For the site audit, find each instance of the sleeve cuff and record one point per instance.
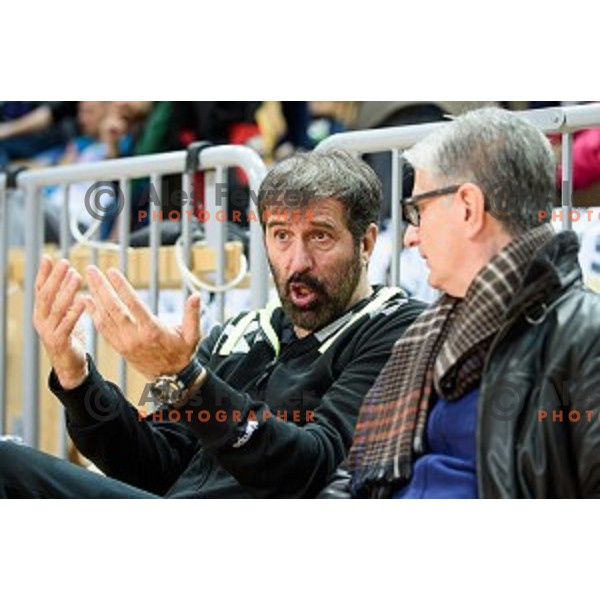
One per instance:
(91, 402)
(219, 414)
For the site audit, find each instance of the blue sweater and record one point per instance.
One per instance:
(447, 470)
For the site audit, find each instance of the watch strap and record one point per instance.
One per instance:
(188, 375)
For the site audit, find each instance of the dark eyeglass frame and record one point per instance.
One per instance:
(410, 211)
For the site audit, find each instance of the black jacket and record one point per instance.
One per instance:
(534, 438)
(254, 363)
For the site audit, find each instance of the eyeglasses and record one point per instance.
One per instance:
(410, 211)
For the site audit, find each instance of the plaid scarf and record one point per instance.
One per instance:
(443, 353)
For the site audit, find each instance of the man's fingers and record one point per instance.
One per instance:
(106, 298)
(56, 276)
(96, 314)
(115, 334)
(129, 296)
(110, 315)
(64, 299)
(191, 320)
(44, 271)
(72, 315)
(49, 289)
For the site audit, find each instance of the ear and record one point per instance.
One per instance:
(473, 205)
(368, 241)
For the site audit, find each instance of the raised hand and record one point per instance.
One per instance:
(56, 312)
(149, 345)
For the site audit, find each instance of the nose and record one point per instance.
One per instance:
(411, 236)
(300, 258)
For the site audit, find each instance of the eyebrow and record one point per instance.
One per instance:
(324, 224)
(284, 222)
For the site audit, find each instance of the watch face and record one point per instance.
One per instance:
(166, 390)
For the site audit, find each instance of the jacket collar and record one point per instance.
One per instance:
(554, 268)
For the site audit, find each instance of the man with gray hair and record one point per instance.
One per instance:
(494, 391)
(265, 405)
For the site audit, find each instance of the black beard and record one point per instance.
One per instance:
(328, 305)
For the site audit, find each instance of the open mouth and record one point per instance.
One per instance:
(302, 295)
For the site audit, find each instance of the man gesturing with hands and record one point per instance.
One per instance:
(146, 343)
(264, 405)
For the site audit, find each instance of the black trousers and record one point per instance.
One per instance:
(28, 473)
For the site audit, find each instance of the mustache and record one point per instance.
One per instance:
(306, 280)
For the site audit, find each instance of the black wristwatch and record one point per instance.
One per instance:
(169, 390)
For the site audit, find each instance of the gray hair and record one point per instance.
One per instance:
(324, 174)
(505, 155)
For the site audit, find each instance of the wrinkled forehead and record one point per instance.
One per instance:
(328, 211)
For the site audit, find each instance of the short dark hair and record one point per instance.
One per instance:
(322, 174)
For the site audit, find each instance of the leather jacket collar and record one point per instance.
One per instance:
(554, 268)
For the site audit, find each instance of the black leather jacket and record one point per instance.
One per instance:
(538, 432)
(535, 438)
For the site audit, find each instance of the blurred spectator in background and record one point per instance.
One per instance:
(30, 128)
(585, 217)
(586, 153)
(586, 159)
(297, 118)
(85, 148)
(329, 118)
(136, 128)
(287, 127)
(90, 116)
(219, 123)
(215, 122)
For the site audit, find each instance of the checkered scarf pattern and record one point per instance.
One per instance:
(442, 353)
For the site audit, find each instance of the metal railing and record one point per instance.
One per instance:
(213, 160)
(3, 299)
(564, 121)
